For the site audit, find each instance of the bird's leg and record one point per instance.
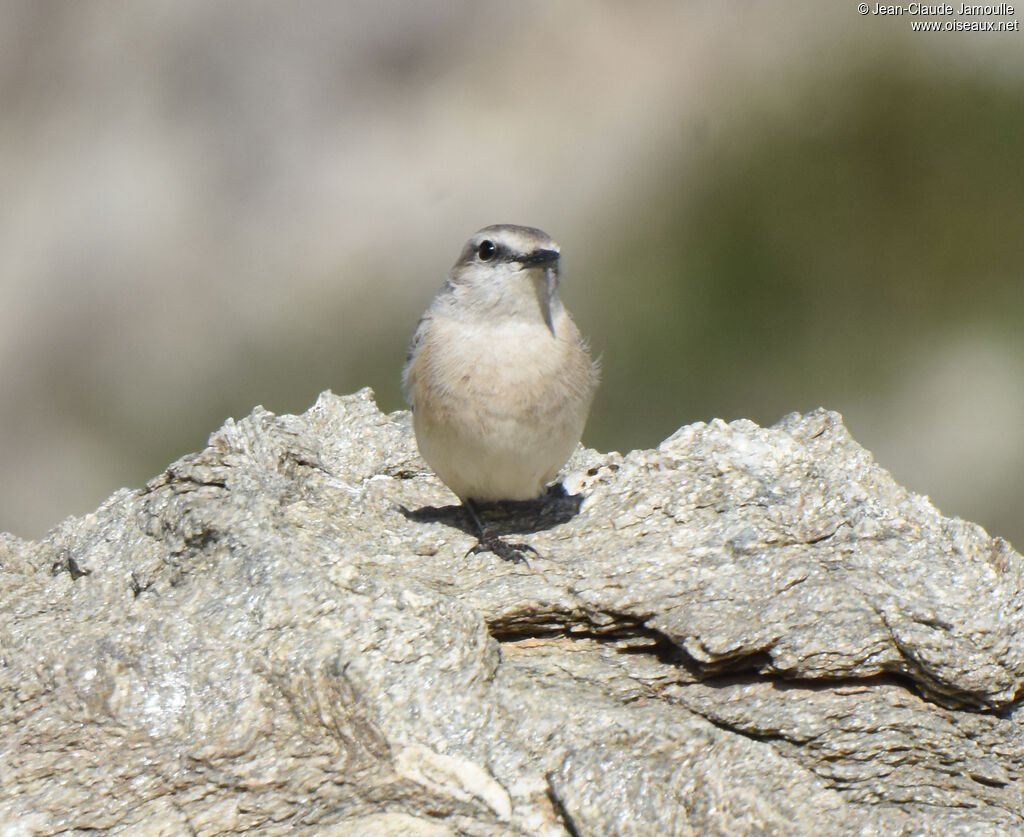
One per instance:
(489, 542)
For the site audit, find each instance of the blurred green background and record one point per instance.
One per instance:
(763, 207)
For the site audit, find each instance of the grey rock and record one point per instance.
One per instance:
(743, 631)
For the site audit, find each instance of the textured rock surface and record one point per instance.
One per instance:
(745, 630)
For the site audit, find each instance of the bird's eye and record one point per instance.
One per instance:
(487, 250)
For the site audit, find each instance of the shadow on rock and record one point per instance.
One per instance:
(506, 517)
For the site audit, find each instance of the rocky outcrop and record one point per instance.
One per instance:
(743, 631)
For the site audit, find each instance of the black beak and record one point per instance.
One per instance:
(539, 258)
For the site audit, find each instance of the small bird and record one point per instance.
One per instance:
(498, 377)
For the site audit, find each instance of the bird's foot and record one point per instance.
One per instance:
(487, 541)
(514, 552)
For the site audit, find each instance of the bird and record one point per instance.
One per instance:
(498, 377)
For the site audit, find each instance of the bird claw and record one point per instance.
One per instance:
(513, 552)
